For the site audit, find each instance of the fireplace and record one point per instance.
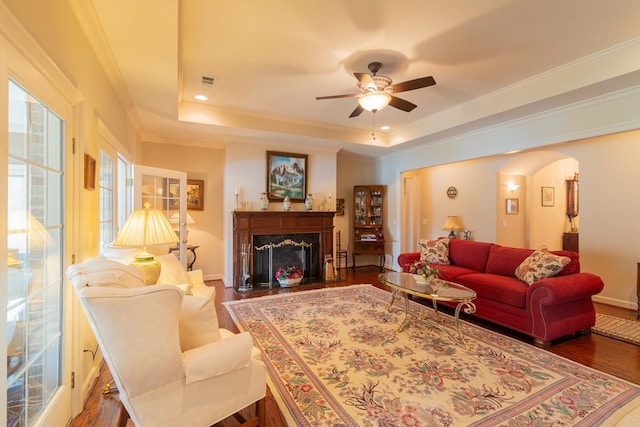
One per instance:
(280, 239)
(274, 251)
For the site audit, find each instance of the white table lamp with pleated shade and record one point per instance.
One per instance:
(146, 227)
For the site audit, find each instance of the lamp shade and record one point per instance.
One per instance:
(175, 218)
(453, 224)
(374, 101)
(146, 227)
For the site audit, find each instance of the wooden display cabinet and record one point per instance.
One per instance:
(368, 221)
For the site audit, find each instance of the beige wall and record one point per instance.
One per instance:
(609, 207)
(205, 164)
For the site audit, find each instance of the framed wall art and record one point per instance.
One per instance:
(195, 194)
(513, 206)
(89, 172)
(339, 206)
(548, 196)
(287, 176)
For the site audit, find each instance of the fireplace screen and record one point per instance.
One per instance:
(271, 252)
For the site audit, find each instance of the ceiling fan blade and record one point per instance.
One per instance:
(350, 95)
(413, 84)
(366, 80)
(357, 111)
(401, 104)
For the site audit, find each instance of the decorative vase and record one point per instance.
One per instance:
(308, 202)
(289, 282)
(286, 203)
(264, 202)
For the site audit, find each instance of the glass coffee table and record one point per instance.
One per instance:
(435, 290)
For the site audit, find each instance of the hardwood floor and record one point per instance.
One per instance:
(601, 353)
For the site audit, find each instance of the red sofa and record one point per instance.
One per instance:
(548, 309)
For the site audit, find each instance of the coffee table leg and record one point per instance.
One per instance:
(469, 308)
(394, 295)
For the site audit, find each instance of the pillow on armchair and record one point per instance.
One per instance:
(198, 322)
(172, 272)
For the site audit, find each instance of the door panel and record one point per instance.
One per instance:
(165, 190)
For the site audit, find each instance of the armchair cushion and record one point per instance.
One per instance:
(218, 358)
(198, 322)
(172, 272)
(105, 272)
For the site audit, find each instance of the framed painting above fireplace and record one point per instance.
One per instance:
(287, 176)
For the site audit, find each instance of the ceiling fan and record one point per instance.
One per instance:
(376, 92)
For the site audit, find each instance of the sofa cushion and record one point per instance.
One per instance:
(198, 322)
(434, 251)
(496, 287)
(504, 260)
(468, 254)
(541, 264)
(451, 272)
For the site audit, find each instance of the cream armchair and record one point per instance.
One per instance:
(171, 363)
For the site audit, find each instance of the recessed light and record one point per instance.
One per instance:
(201, 97)
(385, 127)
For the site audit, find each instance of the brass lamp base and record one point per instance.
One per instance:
(150, 267)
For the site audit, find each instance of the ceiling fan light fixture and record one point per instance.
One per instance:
(374, 101)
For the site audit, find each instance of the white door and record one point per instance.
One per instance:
(165, 190)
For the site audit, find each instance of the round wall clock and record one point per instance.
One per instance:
(452, 192)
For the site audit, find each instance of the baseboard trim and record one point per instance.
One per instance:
(615, 302)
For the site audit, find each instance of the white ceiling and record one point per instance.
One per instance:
(493, 60)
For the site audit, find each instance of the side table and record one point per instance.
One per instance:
(190, 248)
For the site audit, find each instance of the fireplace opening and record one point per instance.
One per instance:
(271, 252)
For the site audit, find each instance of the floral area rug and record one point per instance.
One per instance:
(616, 327)
(334, 358)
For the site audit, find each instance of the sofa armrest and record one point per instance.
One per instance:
(217, 358)
(406, 259)
(562, 289)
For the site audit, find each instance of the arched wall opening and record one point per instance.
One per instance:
(483, 187)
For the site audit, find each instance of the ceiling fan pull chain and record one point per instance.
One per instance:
(373, 126)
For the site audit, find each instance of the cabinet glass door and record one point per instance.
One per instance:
(360, 207)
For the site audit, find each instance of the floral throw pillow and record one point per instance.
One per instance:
(435, 251)
(540, 265)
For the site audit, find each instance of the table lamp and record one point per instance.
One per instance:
(454, 224)
(146, 227)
